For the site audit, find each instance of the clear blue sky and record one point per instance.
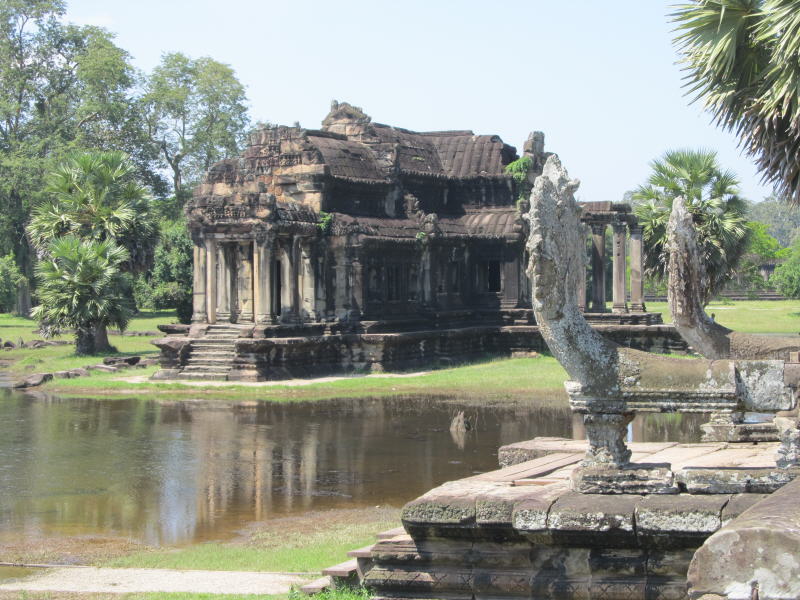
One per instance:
(599, 78)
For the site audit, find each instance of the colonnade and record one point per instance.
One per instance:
(597, 296)
(263, 279)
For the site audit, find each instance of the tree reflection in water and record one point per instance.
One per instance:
(189, 471)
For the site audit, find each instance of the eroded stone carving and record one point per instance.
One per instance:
(687, 293)
(608, 382)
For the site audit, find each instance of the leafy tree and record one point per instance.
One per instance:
(196, 114)
(10, 279)
(711, 196)
(169, 283)
(82, 286)
(742, 59)
(62, 88)
(782, 221)
(761, 249)
(786, 277)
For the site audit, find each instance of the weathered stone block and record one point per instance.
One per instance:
(588, 520)
(755, 554)
(678, 521)
(757, 480)
(634, 478)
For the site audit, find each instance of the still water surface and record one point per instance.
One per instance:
(175, 473)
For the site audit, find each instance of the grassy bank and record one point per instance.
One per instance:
(748, 316)
(305, 543)
(490, 379)
(23, 361)
(498, 378)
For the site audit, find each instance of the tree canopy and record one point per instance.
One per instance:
(711, 196)
(196, 114)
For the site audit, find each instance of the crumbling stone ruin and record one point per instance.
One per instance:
(362, 246)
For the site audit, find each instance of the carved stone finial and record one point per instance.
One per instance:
(687, 294)
(557, 257)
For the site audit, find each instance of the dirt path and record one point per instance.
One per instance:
(123, 581)
(282, 382)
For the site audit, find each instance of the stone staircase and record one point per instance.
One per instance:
(211, 356)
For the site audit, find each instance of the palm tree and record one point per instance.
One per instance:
(742, 59)
(719, 214)
(82, 286)
(94, 196)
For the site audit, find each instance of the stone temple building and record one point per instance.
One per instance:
(365, 246)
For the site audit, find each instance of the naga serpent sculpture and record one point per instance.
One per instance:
(609, 383)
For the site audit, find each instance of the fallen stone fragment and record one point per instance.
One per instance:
(33, 380)
(118, 360)
(79, 372)
(103, 368)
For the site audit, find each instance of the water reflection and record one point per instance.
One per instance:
(169, 473)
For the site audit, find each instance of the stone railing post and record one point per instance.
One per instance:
(637, 268)
(598, 267)
(619, 268)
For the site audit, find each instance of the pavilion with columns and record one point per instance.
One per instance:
(360, 228)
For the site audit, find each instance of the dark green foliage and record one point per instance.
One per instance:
(782, 221)
(519, 171)
(786, 278)
(711, 196)
(10, 280)
(169, 283)
(325, 222)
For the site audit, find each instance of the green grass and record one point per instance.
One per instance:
(22, 361)
(496, 378)
(748, 316)
(307, 549)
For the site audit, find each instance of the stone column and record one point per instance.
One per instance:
(211, 279)
(637, 269)
(244, 280)
(598, 267)
(307, 289)
(296, 274)
(286, 282)
(223, 283)
(199, 282)
(581, 291)
(620, 267)
(262, 278)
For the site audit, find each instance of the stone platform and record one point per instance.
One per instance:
(272, 352)
(521, 532)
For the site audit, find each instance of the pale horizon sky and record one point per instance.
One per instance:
(599, 78)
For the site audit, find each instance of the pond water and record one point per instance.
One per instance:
(190, 471)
